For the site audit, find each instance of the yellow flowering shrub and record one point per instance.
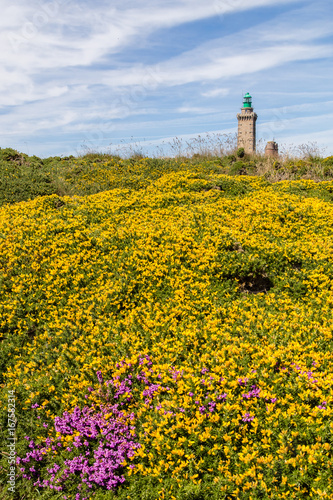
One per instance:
(212, 295)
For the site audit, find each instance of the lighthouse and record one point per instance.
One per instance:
(247, 126)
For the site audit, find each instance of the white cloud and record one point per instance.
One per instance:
(61, 38)
(195, 110)
(216, 92)
(192, 67)
(55, 55)
(60, 34)
(288, 38)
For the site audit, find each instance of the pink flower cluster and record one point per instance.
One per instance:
(95, 456)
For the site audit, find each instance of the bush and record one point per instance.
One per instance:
(240, 153)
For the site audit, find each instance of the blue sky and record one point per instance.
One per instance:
(95, 74)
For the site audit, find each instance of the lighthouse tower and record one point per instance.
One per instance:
(247, 126)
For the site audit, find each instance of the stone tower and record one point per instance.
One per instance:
(272, 150)
(247, 126)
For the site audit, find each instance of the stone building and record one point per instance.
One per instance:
(247, 126)
(272, 150)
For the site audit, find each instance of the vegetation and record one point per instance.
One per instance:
(23, 177)
(166, 327)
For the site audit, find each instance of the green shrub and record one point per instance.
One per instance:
(240, 153)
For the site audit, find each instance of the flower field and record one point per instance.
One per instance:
(170, 338)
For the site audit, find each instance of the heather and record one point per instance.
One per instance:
(166, 328)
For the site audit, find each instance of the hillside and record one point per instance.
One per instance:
(166, 327)
(23, 177)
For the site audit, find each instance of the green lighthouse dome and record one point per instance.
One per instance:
(247, 103)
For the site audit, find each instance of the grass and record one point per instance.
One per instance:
(166, 327)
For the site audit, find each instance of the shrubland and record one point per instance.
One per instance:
(24, 177)
(166, 326)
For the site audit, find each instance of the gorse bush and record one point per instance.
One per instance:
(166, 331)
(23, 177)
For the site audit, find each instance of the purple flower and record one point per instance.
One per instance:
(211, 405)
(145, 358)
(254, 393)
(247, 418)
(151, 390)
(99, 377)
(243, 381)
(106, 444)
